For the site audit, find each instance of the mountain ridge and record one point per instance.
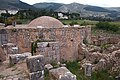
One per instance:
(14, 5)
(45, 5)
(83, 10)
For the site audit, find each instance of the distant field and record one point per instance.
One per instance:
(94, 30)
(87, 22)
(116, 23)
(79, 22)
(23, 21)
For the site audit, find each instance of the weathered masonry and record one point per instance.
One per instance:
(63, 40)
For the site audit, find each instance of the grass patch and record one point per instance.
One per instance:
(23, 21)
(80, 22)
(74, 67)
(10, 65)
(46, 76)
(1, 76)
(105, 46)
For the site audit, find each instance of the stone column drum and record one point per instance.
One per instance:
(35, 66)
(88, 69)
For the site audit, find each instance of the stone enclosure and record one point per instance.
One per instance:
(63, 40)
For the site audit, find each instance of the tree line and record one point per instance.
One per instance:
(107, 26)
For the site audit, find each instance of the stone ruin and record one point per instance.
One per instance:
(2, 55)
(88, 69)
(35, 66)
(61, 73)
(100, 40)
(50, 50)
(57, 43)
(15, 58)
(3, 37)
(47, 29)
(48, 66)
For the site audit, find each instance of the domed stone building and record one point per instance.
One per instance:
(55, 41)
(46, 22)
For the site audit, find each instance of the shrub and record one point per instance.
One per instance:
(107, 26)
(73, 23)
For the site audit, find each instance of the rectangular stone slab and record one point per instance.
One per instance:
(35, 63)
(37, 75)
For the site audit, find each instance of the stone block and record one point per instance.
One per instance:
(101, 65)
(94, 57)
(35, 63)
(67, 77)
(15, 50)
(61, 73)
(117, 53)
(88, 69)
(15, 58)
(48, 66)
(39, 75)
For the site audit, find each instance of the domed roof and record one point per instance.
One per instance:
(46, 21)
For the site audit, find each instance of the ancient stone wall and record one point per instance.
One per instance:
(50, 50)
(68, 38)
(3, 36)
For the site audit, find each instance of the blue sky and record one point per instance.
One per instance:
(102, 3)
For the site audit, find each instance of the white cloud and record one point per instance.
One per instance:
(103, 3)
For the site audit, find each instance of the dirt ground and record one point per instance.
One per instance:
(13, 72)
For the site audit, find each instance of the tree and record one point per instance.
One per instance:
(107, 26)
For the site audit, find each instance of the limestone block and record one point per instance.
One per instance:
(12, 49)
(67, 76)
(15, 50)
(39, 75)
(61, 73)
(35, 63)
(50, 50)
(101, 64)
(82, 51)
(117, 53)
(15, 58)
(88, 69)
(94, 57)
(95, 49)
(63, 65)
(48, 66)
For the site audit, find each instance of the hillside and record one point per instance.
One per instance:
(48, 6)
(84, 10)
(14, 4)
(114, 8)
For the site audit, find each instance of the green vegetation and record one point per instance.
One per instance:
(105, 46)
(111, 27)
(25, 16)
(34, 45)
(108, 27)
(80, 22)
(1, 76)
(74, 67)
(73, 23)
(46, 76)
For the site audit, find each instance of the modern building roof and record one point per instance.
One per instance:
(46, 22)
